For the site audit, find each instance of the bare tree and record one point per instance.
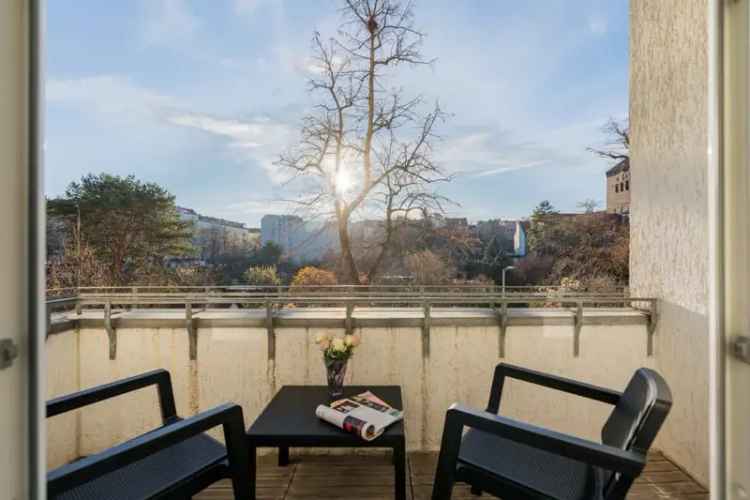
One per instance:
(589, 205)
(366, 147)
(617, 146)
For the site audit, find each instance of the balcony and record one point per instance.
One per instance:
(440, 345)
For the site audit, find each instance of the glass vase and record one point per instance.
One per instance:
(336, 370)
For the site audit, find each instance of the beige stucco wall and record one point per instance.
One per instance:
(669, 225)
(232, 365)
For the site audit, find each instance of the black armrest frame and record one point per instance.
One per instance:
(228, 415)
(608, 457)
(86, 397)
(504, 370)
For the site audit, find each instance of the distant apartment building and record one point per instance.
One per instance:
(215, 237)
(618, 188)
(301, 241)
(519, 239)
(510, 234)
(455, 222)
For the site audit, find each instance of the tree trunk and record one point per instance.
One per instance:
(350, 267)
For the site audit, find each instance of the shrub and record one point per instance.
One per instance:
(429, 268)
(262, 276)
(310, 276)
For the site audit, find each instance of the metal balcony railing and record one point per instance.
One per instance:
(272, 299)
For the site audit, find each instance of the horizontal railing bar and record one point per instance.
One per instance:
(323, 288)
(364, 300)
(456, 285)
(463, 295)
(308, 294)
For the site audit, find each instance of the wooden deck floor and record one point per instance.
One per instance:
(371, 477)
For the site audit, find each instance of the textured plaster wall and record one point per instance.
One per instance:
(62, 378)
(232, 365)
(669, 226)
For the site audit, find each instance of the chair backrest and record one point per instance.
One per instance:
(637, 417)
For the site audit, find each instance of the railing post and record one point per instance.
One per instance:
(270, 331)
(110, 330)
(426, 325)
(577, 325)
(503, 320)
(48, 315)
(348, 325)
(191, 331)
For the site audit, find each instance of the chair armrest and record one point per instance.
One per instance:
(229, 415)
(160, 378)
(600, 455)
(589, 391)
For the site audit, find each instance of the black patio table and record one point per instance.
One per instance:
(289, 420)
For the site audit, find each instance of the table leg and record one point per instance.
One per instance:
(253, 470)
(283, 456)
(399, 465)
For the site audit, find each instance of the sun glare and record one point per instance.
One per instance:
(344, 180)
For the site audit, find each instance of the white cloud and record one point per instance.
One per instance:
(509, 168)
(168, 22)
(484, 153)
(260, 139)
(119, 100)
(110, 95)
(598, 25)
(259, 207)
(246, 6)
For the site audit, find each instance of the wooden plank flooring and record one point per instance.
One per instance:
(370, 477)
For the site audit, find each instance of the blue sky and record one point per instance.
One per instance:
(201, 96)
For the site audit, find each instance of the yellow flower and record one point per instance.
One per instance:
(324, 344)
(322, 338)
(352, 340)
(338, 344)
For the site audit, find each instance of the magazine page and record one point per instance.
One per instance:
(341, 417)
(365, 415)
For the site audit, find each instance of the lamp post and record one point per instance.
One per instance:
(505, 270)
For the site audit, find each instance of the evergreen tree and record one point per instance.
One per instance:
(129, 225)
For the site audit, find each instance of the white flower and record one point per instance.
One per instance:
(352, 340)
(322, 338)
(338, 344)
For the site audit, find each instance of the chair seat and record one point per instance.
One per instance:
(526, 469)
(155, 474)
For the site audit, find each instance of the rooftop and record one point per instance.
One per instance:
(621, 166)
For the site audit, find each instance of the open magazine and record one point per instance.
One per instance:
(365, 415)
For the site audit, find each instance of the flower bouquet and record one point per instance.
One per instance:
(336, 354)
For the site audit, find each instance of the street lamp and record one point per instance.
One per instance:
(506, 269)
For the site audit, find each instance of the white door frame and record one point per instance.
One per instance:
(715, 180)
(36, 321)
(729, 226)
(37, 254)
(22, 249)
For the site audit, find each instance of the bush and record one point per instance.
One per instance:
(262, 276)
(310, 276)
(429, 268)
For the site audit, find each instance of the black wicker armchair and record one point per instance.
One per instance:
(174, 461)
(515, 460)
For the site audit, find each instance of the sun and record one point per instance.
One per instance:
(344, 180)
